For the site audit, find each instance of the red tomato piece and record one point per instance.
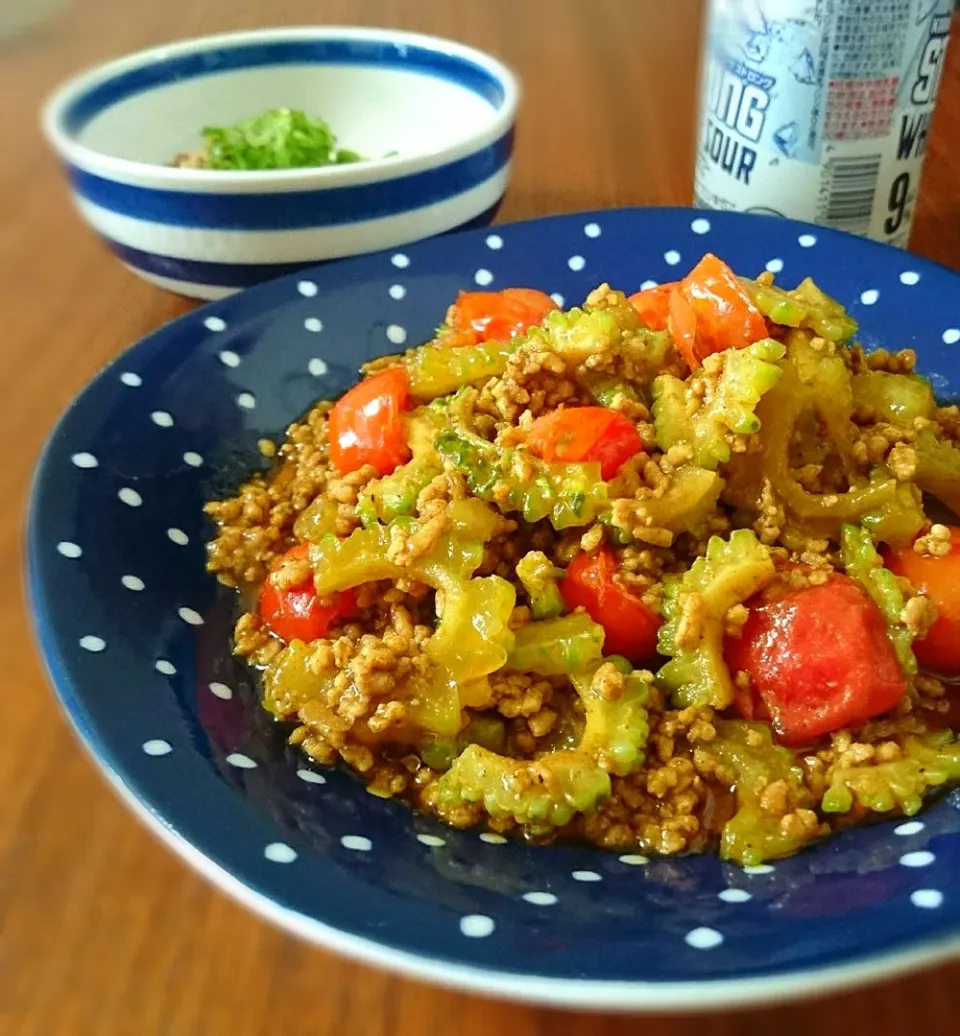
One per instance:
(724, 315)
(584, 434)
(496, 316)
(683, 328)
(938, 579)
(295, 612)
(653, 305)
(366, 424)
(818, 658)
(630, 627)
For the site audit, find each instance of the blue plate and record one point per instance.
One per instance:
(136, 639)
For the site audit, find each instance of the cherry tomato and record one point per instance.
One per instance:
(295, 613)
(721, 314)
(683, 328)
(938, 579)
(653, 305)
(585, 433)
(366, 424)
(496, 316)
(818, 658)
(630, 627)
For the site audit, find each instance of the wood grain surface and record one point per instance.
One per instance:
(102, 931)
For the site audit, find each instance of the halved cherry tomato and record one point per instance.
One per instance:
(719, 313)
(653, 305)
(366, 424)
(683, 328)
(630, 627)
(496, 316)
(585, 433)
(938, 579)
(818, 658)
(295, 613)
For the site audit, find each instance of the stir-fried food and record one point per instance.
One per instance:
(667, 572)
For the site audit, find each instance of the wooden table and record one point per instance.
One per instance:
(101, 930)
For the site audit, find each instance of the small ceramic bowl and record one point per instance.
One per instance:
(435, 117)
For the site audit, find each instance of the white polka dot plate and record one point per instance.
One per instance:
(135, 636)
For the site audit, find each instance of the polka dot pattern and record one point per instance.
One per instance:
(774, 265)
(313, 324)
(396, 334)
(540, 898)
(84, 460)
(215, 324)
(927, 899)
(671, 257)
(633, 860)
(190, 617)
(241, 761)
(950, 337)
(483, 277)
(703, 938)
(358, 843)
(648, 285)
(178, 536)
(735, 896)
(586, 876)
(494, 241)
(133, 583)
(131, 380)
(279, 852)
(492, 838)
(162, 419)
(130, 497)
(317, 367)
(576, 263)
(397, 292)
(911, 827)
(400, 261)
(156, 747)
(307, 289)
(869, 297)
(477, 926)
(909, 277)
(700, 225)
(163, 666)
(592, 230)
(760, 868)
(93, 644)
(311, 777)
(246, 400)
(807, 240)
(229, 358)
(433, 841)
(921, 858)
(69, 550)
(193, 459)
(221, 690)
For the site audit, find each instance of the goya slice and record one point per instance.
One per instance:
(727, 574)
(554, 647)
(705, 410)
(862, 563)
(753, 834)
(927, 762)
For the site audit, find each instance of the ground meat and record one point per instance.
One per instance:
(361, 693)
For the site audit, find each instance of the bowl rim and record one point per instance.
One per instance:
(66, 145)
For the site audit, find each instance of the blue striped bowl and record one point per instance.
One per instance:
(448, 112)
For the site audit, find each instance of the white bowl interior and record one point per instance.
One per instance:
(371, 110)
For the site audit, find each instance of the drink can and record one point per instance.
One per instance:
(820, 109)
